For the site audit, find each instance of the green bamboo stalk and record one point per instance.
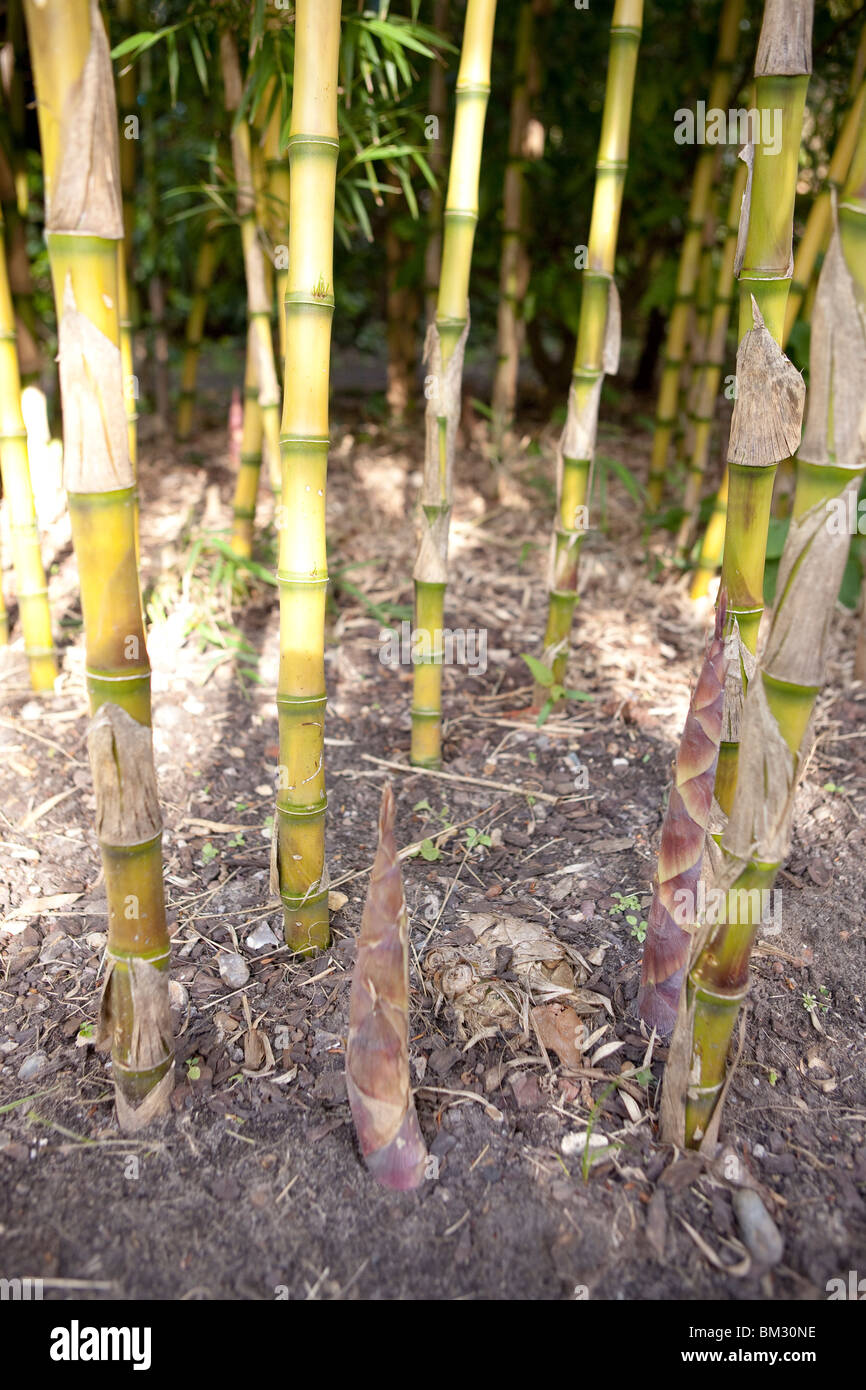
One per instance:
(84, 223)
(763, 266)
(706, 385)
(298, 869)
(278, 198)
(14, 465)
(514, 262)
(776, 726)
(259, 292)
(687, 274)
(446, 341)
(205, 268)
(597, 352)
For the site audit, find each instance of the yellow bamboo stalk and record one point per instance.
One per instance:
(247, 487)
(687, 274)
(446, 342)
(438, 112)
(278, 191)
(597, 352)
(84, 224)
(205, 267)
(816, 233)
(706, 385)
(255, 262)
(14, 465)
(514, 262)
(126, 100)
(299, 873)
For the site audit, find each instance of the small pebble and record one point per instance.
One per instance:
(759, 1231)
(234, 970)
(34, 1066)
(260, 938)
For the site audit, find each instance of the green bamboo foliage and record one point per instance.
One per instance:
(776, 725)
(205, 269)
(690, 257)
(299, 873)
(514, 262)
(84, 224)
(706, 384)
(597, 352)
(259, 291)
(377, 1051)
(446, 341)
(763, 265)
(14, 465)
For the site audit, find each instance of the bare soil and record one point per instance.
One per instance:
(253, 1188)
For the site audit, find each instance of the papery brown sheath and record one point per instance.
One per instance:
(377, 1054)
(667, 947)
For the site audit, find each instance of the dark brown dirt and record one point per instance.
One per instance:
(253, 1188)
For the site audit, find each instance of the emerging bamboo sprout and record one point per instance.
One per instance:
(668, 942)
(763, 264)
(446, 342)
(514, 263)
(15, 469)
(205, 267)
(84, 224)
(298, 870)
(776, 725)
(690, 257)
(706, 384)
(438, 102)
(377, 1052)
(255, 264)
(598, 336)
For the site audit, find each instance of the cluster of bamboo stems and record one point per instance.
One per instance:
(747, 733)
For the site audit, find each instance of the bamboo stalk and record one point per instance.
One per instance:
(446, 341)
(817, 230)
(259, 294)
(687, 273)
(205, 268)
(597, 352)
(763, 266)
(298, 871)
(127, 98)
(247, 488)
(776, 726)
(84, 223)
(706, 386)
(278, 184)
(14, 465)
(438, 111)
(514, 262)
